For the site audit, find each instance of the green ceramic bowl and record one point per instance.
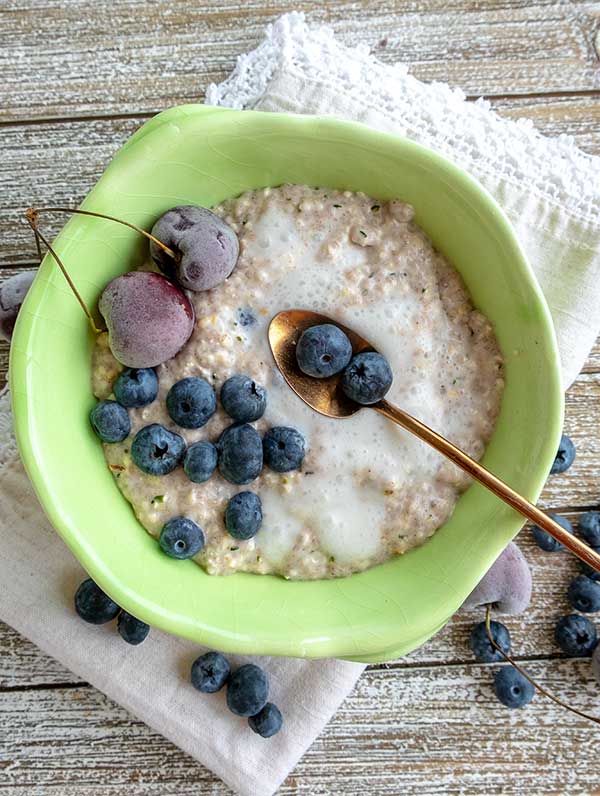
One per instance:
(200, 155)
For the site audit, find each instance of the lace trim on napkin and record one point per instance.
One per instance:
(434, 114)
(8, 443)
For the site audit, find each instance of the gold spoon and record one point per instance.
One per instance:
(326, 397)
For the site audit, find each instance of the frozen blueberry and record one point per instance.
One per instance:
(589, 527)
(93, 605)
(547, 542)
(136, 387)
(200, 461)
(243, 399)
(181, 538)
(110, 421)
(132, 630)
(565, 455)
(584, 594)
(267, 721)
(323, 351)
(191, 402)
(208, 248)
(12, 295)
(367, 378)
(243, 515)
(592, 573)
(247, 690)
(284, 449)
(506, 585)
(512, 689)
(575, 635)
(210, 672)
(156, 450)
(240, 454)
(481, 645)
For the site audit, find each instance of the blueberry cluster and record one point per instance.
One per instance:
(97, 608)
(325, 350)
(247, 691)
(239, 454)
(576, 635)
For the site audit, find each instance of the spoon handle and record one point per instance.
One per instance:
(489, 480)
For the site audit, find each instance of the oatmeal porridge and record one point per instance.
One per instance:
(367, 490)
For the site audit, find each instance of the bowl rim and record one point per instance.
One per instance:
(22, 409)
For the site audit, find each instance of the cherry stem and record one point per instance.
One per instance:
(488, 614)
(146, 234)
(31, 216)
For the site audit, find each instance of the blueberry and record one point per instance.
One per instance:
(284, 449)
(210, 672)
(547, 542)
(200, 461)
(247, 690)
(181, 538)
(267, 721)
(243, 399)
(575, 635)
(481, 645)
(156, 450)
(323, 351)
(93, 605)
(367, 378)
(110, 421)
(136, 387)
(565, 455)
(592, 573)
(584, 594)
(512, 689)
(589, 527)
(243, 515)
(240, 454)
(132, 630)
(191, 402)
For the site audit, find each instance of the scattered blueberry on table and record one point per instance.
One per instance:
(565, 455)
(591, 573)
(210, 672)
(512, 689)
(589, 528)
(247, 690)
(136, 387)
(243, 399)
(367, 378)
(156, 450)
(200, 461)
(584, 594)
(575, 635)
(132, 630)
(243, 515)
(284, 449)
(323, 351)
(481, 645)
(547, 542)
(93, 605)
(240, 454)
(110, 421)
(191, 402)
(267, 722)
(181, 538)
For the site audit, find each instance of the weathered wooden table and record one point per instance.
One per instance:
(77, 77)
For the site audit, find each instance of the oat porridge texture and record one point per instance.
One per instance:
(367, 489)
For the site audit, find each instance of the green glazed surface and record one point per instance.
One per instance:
(199, 155)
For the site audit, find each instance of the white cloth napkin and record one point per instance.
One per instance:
(550, 190)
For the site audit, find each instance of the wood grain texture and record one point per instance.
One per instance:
(424, 730)
(148, 56)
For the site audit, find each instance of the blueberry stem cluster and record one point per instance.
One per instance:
(541, 689)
